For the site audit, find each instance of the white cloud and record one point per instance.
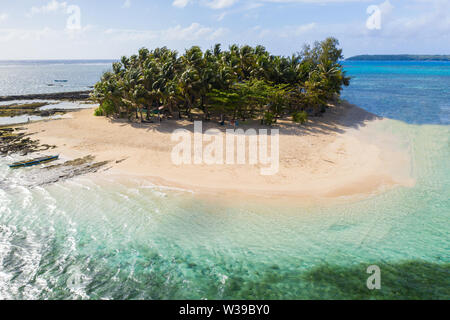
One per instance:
(313, 1)
(250, 4)
(180, 3)
(417, 26)
(213, 4)
(193, 32)
(300, 30)
(24, 34)
(220, 4)
(290, 31)
(386, 9)
(52, 6)
(39, 34)
(126, 4)
(428, 19)
(3, 17)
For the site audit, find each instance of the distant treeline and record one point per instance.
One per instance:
(242, 82)
(400, 57)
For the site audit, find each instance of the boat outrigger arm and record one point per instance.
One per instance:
(33, 162)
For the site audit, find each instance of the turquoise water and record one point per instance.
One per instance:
(52, 104)
(132, 240)
(414, 92)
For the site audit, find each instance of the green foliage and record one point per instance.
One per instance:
(224, 102)
(239, 83)
(300, 117)
(269, 118)
(20, 109)
(99, 112)
(106, 108)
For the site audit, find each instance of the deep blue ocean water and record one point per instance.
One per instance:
(414, 92)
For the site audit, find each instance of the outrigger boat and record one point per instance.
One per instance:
(33, 162)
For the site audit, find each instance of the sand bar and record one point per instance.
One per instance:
(340, 154)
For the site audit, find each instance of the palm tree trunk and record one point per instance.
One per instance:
(202, 103)
(140, 112)
(189, 114)
(149, 105)
(170, 107)
(206, 110)
(189, 109)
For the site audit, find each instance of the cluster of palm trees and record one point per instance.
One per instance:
(241, 83)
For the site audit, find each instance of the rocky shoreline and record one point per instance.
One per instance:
(31, 104)
(76, 95)
(15, 140)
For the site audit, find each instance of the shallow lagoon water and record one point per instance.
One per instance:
(68, 105)
(132, 240)
(52, 104)
(128, 239)
(13, 102)
(24, 119)
(414, 92)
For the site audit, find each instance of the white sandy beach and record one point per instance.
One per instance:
(340, 154)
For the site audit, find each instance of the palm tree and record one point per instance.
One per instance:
(243, 81)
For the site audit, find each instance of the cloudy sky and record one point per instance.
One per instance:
(97, 29)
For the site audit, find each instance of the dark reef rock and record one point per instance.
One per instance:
(77, 95)
(12, 142)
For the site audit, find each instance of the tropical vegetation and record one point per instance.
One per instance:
(240, 83)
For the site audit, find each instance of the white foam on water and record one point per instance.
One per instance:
(5, 277)
(19, 102)
(160, 194)
(68, 105)
(25, 118)
(52, 104)
(25, 256)
(167, 188)
(120, 234)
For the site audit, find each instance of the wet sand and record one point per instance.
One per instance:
(340, 154)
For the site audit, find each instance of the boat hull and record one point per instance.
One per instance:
(33, 162)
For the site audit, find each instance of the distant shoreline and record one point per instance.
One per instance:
(72, 61)
(399, 57)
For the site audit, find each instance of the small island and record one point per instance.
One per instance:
(399, 57)
(242, 83)
(145, 98)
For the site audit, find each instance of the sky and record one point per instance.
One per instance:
(108, 29)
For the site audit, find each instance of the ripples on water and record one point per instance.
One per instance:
(52, 104)
(133, 240)
(30, 77)
(127, 239)
(414, 92)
